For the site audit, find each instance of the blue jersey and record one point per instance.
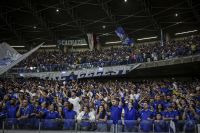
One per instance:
(51, 115)
(69, 119)
(145, 114)
(146, 124)
(26, 111)
(115, 114)
(11, 111)
(160, 126)
(171, 114)
(130, 114)
(130, 117)
(156, 103)
(69, 114)
(49, 122)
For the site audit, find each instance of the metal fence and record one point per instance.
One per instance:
(74, 126)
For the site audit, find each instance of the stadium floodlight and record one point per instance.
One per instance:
(84, 44)
(100, 69)
(113, 42)
(21, 74)
(185, 32)
(63, 72)
(147, 38)
(48, 46)
(17, 46)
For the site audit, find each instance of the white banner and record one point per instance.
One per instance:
(86, 73)
(90, 40)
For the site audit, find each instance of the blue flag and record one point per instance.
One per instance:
(123, 37)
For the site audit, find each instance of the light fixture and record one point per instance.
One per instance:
(113, 42)
(125, 0)
(186, 32)
(57, 10)
(147, 38)
(21, 74)
(17, 46)
(176, 14)
(63, 72)
(48, 46)
(34, 27)
(103, 26)
(82, 44)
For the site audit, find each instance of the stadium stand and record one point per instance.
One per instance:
(57, 61)
(100, 66)
(94, 105)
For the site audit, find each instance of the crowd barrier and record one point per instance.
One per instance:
(74, 126)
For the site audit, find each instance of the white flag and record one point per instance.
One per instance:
(172, 126)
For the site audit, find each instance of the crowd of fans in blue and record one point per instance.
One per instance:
(97, 105)
(58, 61)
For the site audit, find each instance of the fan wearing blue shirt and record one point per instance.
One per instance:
(130, 117)
(160, 124)
(41, 110)
(146, 117)
(11, 109)
(171, 114)
(115, 111)
(23, 114)
(50, 118)
(157, 101)
(159, 109)
(69, 117)
(190, 116)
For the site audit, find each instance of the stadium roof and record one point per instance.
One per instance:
(34, 21)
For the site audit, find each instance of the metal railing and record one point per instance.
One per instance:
(65, 125)
(65, 67)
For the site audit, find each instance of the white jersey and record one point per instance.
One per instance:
(76, 104)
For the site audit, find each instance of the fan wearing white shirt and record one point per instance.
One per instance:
(86, 117)
(75, 101)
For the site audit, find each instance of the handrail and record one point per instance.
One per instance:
(64, 67)
(98, 126)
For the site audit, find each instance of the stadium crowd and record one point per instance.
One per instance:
(98, 104)
(58, 61)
